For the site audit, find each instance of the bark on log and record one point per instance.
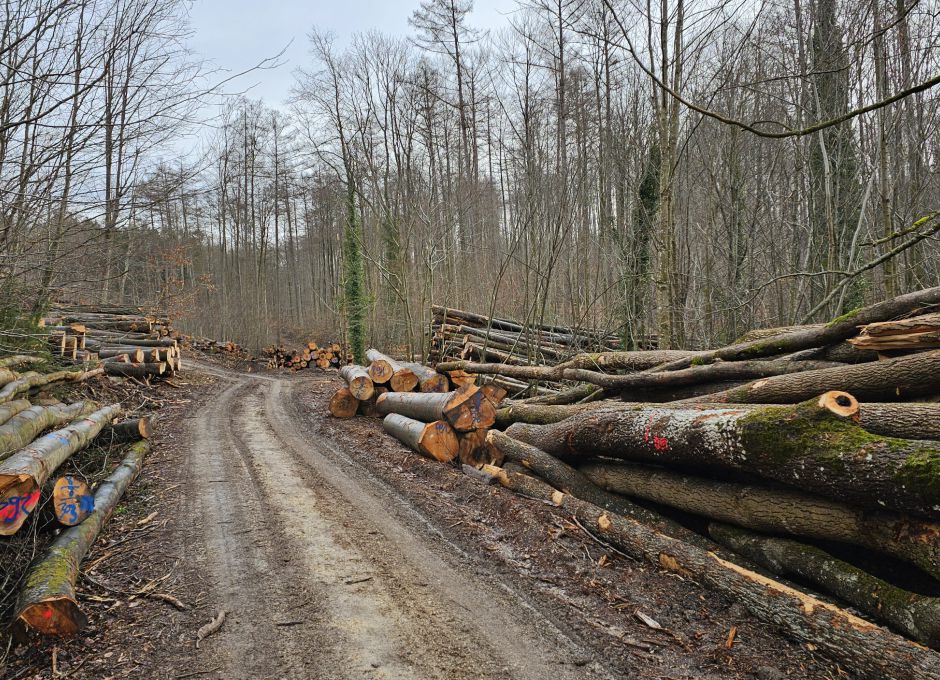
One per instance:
(538, 414)
(905, 377)
(135, 370)
(369, 408)
(47, 602)
(846, 326)
(11, 408)
(776, 511)
(916, 616)
(343, 404)
(126, 432)
(6, 376)
(569, 396)
(23, 474)
(626, 361)
(29, 381)
(19, 360)
(25, 426)
(435, 440)
(465, 409)
(429, 380)
(135, 354)
(864, 648)
(569, 480)
(814, 446)
(902, 420)
(358, 381)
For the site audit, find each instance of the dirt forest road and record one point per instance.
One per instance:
(325, 572)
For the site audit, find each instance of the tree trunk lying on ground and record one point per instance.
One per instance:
(23, 474)
(571, 395)
(29, 381)
(916, 616)
(865, 649)
(126, 432)
(846, 326)
(358, 381)
(18, 360)
(776, 511)
(626, 361)
(539, 414)
(465, 409)
(135, 370)
(569, 480)
(47, 602)
(343, 404)
(11, 408)
(135, 354)
(25, 426)
(435, 440)
(429, 380)
(813, 446)
(890, 380)
(402, 379)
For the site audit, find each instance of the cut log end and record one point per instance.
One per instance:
(476, 451)
(439, 441)
(380, 371)
(841, 404)
(436, 383)
(343, 404)
(403, 380)
(59, 616)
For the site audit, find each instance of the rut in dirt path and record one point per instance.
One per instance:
(326, 573)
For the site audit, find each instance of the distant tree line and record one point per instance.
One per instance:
(596, 162)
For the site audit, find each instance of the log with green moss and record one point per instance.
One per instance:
(862, 648)
(23, 473)
(25, 426)
(639, 360)
(906, 377)
(913, 615)
(20, 360)
(774, 510)
(815, 446)
(30, 381)
(11, 408)
(48, 603)
(842, 328)
(569, 480)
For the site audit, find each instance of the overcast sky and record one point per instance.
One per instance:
(237, 34)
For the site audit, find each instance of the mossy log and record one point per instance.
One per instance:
(842, 328)
(48, 603)
(863, 648)
(913, 615)
(7, 376)
(343, 404)
(816, 446)
(29, 381)
(20, 360)
(23, 473)
(126, 432)
(25, 426)
(896, 379)
(402, 379)
(465, 409)
(429, 380)
(569, 480)
(11, 408)
(435, 440)
(358, 381)
(540, 414)
(626, 361)
(776, 511)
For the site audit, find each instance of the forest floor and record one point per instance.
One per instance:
(337, 553)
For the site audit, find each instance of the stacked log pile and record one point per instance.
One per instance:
(457, 334)
(126, 341)
(422, 408)
(330, 355)
(789, 454)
